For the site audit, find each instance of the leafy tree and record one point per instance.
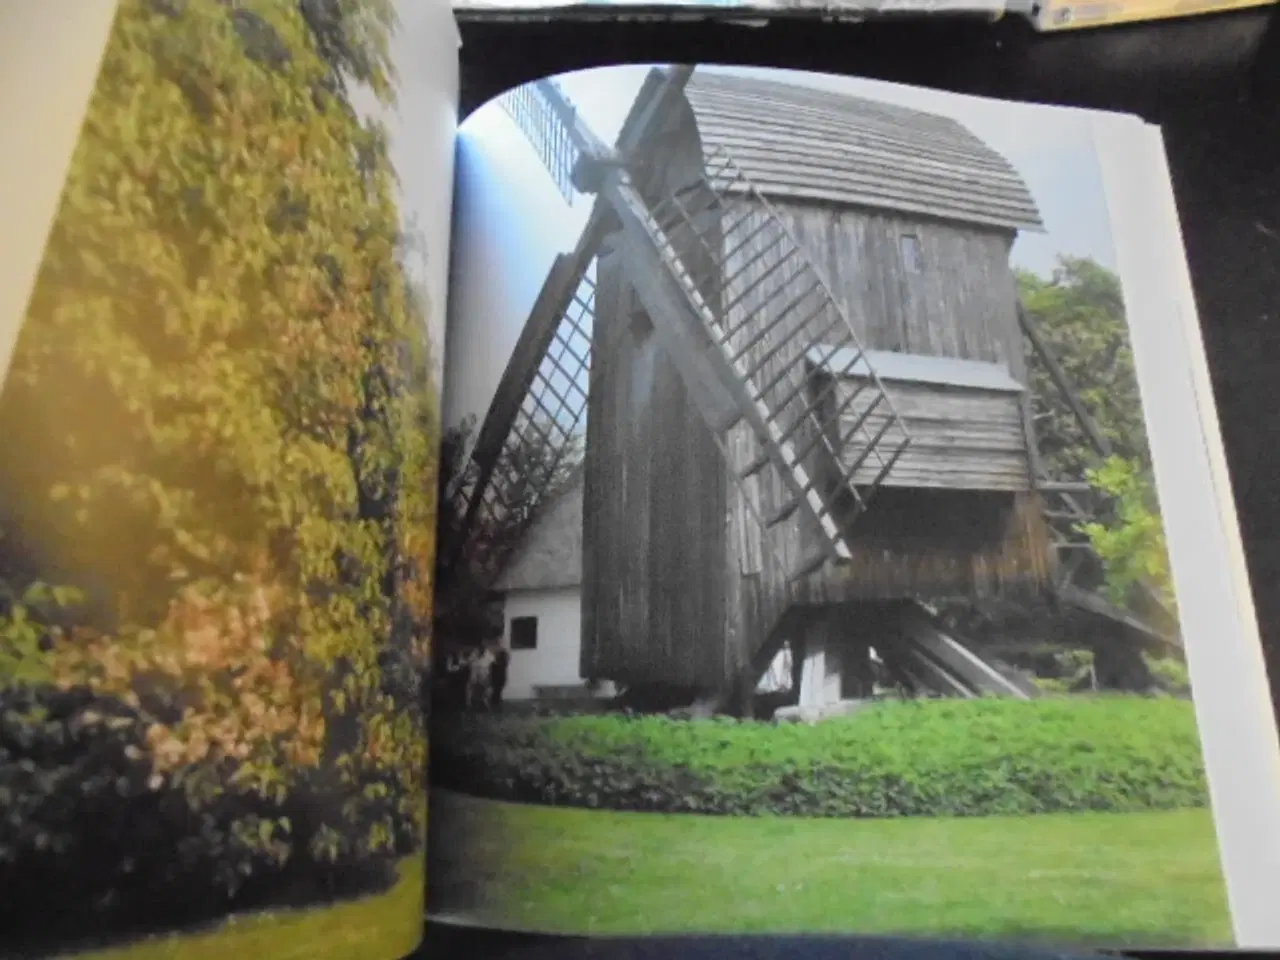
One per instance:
(1080, 315)
(222, 422)
(1131, 543)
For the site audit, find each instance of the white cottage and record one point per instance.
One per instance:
(541, 588)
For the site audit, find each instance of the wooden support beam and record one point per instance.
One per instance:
(1070, 566)
(676, 329)
(1099, 606)
(922, 629)
(635, 129)
(1064, 486)
(1059, 376)
(1035, 463)
(1064, 515)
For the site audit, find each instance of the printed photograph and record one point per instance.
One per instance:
(802, 567)
(220, 428)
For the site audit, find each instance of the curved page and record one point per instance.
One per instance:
(219, 424)
(1046, 15)
(803, 563)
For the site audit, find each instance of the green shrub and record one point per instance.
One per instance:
(923, 758)
(1171, 672)
(86, 817)
(1055, 685)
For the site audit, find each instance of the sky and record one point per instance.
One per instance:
(510, 221)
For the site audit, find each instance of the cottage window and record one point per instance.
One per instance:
(524, 633)
(912, 259)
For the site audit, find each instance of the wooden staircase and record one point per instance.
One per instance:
(1070, 503)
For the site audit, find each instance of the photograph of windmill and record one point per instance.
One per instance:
(801, 563)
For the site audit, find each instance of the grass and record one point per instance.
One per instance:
(1087, 879)
(387, 925)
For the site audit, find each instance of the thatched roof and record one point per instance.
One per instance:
(550, 555)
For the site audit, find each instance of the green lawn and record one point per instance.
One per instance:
(384, 927)
(1150, 879)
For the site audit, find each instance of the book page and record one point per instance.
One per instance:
(1044, 15)
(826, 478)
(1233, 699)
(220, 421)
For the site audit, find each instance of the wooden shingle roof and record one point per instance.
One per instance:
(796, 142)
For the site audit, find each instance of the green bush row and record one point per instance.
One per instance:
(915, 758)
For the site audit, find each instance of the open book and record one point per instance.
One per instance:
(224, 271)
(800, 561)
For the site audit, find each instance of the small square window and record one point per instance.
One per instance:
(911, 256)
(524, 633)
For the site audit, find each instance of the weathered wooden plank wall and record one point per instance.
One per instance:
(654, 576)
(681, 585)
(960, 439)
(943, 543)
(960, 302)
(912, 542)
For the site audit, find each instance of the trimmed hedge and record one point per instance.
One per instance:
(913, 758)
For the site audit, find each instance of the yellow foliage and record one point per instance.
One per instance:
(247, 700)
(221, 319)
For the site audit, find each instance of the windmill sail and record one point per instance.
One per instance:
(532, 111)
(532, 434)
(747, 371)
(531, 438)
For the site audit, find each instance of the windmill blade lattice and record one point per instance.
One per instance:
(534, 432)
(550, 420)
(540, 431)
(532, 111)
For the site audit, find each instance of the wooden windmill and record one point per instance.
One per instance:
(786, 434)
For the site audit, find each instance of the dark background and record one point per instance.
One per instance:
(1211, 82)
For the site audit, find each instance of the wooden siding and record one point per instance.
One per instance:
(653, 512)
(796, 142)
(961, 302)
(961, 438)
(912, 543)
(681, 583)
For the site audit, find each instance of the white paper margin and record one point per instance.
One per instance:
(49, 58)
(1219, 625)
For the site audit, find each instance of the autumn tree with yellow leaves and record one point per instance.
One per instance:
(219, 432)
